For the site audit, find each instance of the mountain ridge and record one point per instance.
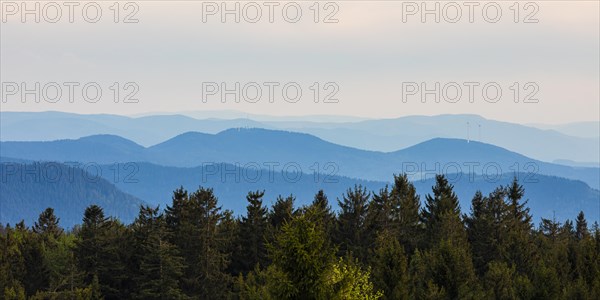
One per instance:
(372, 134)
(261, 146)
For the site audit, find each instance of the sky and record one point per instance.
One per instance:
(371, 59)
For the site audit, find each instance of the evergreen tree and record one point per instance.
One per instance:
(47, 225)
(441, 214)
(64, 275)
(448, 262)
(350, 233)
(89, 245)
(519, 245)
(405, 195)
(498, 281)
(323, 214)
(190, 251)
(519, 209)
(552, 270)
(12, 264)
(379, 214)
(184, 231)
(282, 211)
(582, 227)
(102, 252)
(253, 228)
(390, 267)
(448, 267)
(37, 273)
(160, 268)
(227, 239)
(487, 227)
(301, 251)
(422, 285)
(193, 221)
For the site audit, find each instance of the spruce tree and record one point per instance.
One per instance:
(582, 231)
(406, 212)
(302, 252)
(322, 213)
(160, 268)
(441, 215)
(184, 230)
(47, 225)
(252, 233)
(37, 273)
(350, 233)
(487, 228)
(519, 245)
(448, 262)
(198, 242)
(89, 244)
(102, 252)
(229, 248)
(379, 214)
(390, 267)
(282, 211)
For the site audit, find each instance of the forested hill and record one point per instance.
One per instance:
(27, 189)
(153, 184)
(261, 146)
(388, 246)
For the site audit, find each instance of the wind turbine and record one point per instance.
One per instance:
(468, 136)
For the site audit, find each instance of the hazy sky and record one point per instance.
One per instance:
(368, 55)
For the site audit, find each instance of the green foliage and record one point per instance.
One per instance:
(282, 211)
(504, 282)
(347, 281)
(102, 253)
(303, 253)
(269, 283)
(321, 213)
(14, 292)
(47, 225)
(350, 231)
(390, 267)
(397, 213)
(441, 214)
(380, 246)
(252, 233)
(192, 223)
(160, 267)
(448, 266)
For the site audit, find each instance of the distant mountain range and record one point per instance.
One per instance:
(300, 152)
(570, 144)
(143, 159)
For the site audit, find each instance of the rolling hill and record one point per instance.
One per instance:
(551, 143)
(26, 189)
(301, 152)
(548, 197)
